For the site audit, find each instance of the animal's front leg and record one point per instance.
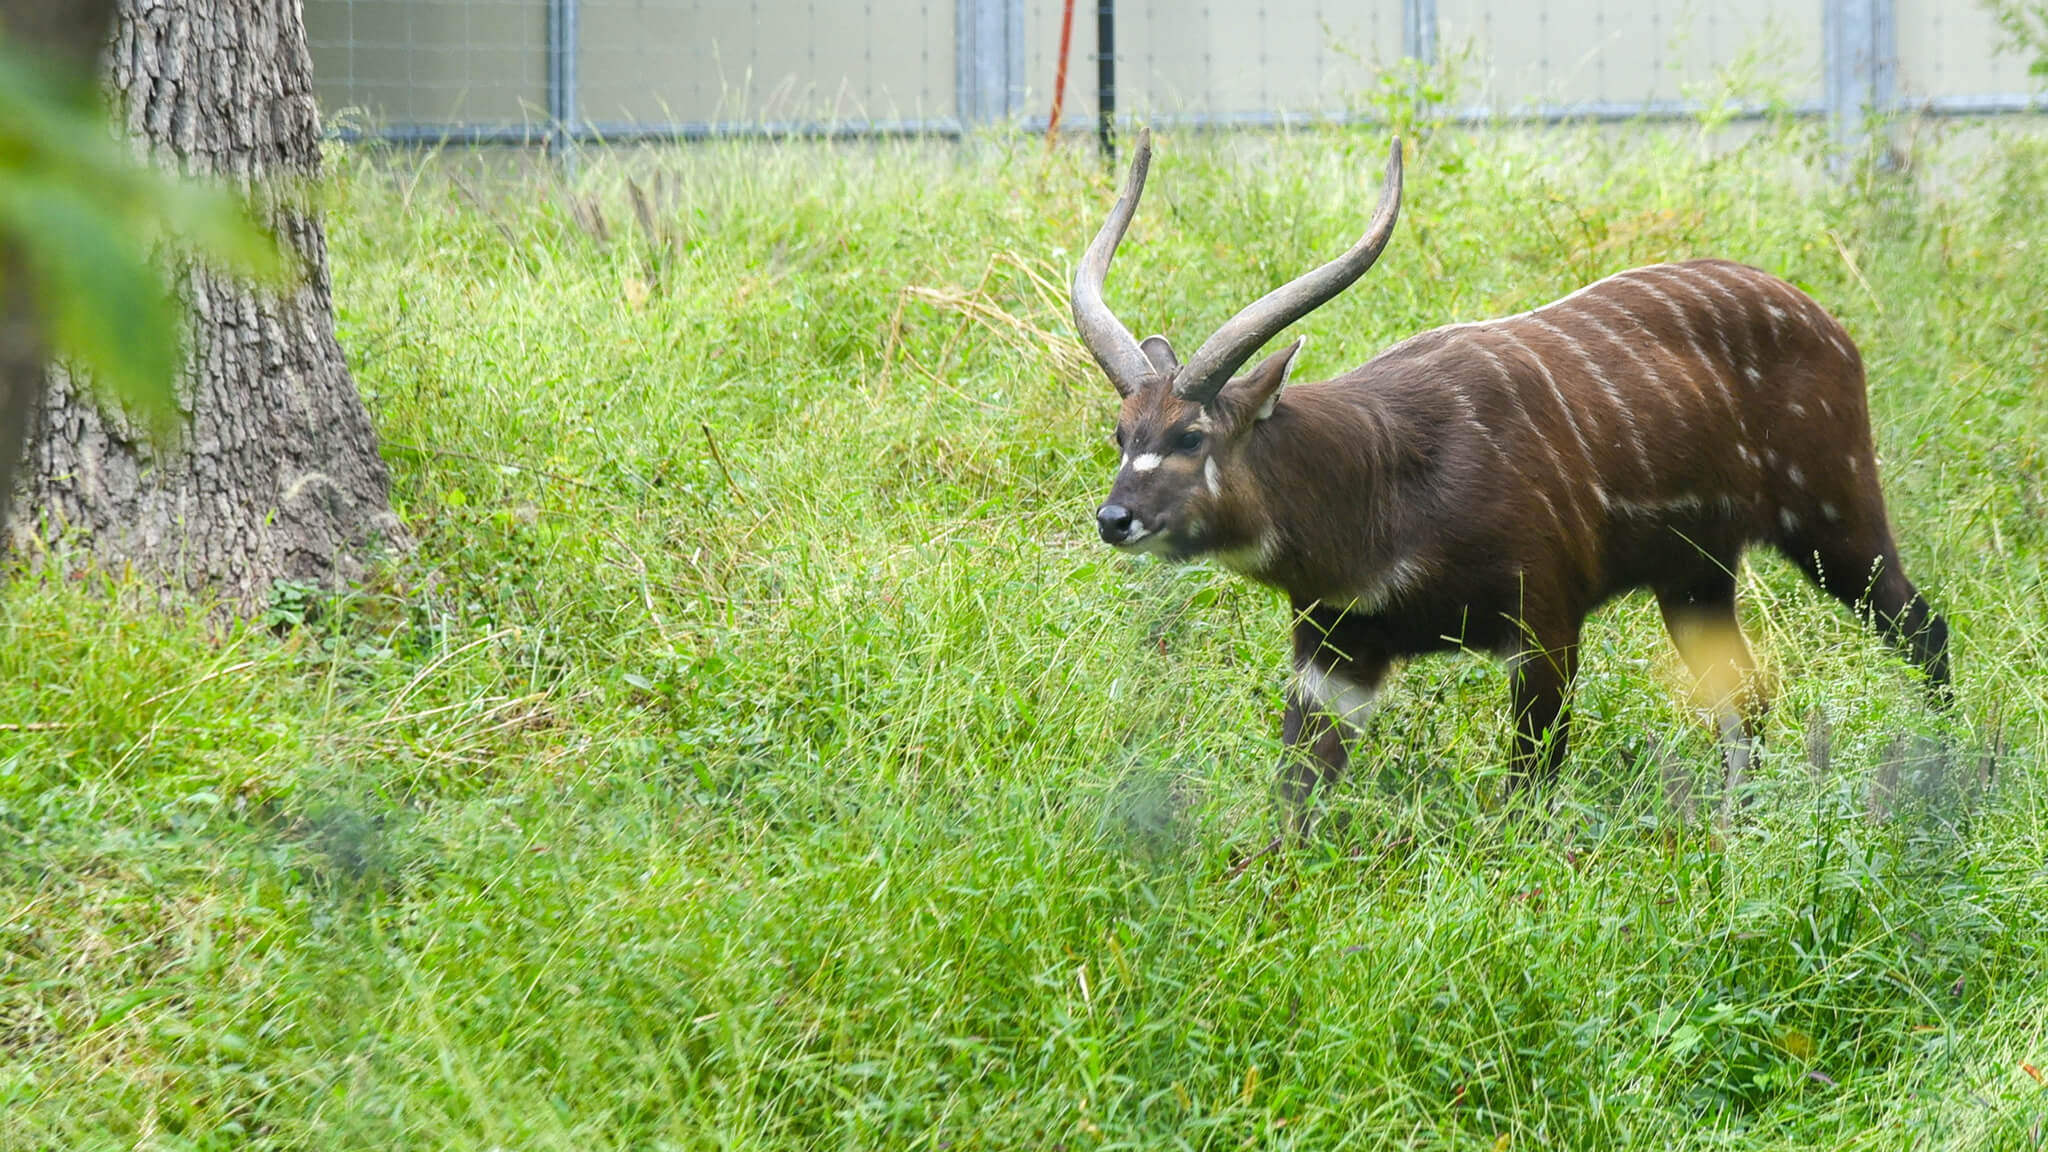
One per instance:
(1327, 703)
(1539, 685)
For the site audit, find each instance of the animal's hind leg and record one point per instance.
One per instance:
(1862, 570)
(1700, 617)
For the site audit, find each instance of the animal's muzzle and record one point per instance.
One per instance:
(1114, 522)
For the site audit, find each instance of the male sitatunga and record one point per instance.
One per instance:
(1488, 485)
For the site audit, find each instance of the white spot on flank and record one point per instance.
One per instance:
(1748, 457)
(1786, 518)
(1797, 409)
(1213, 476)
(1771, 457)
(1797, 477)
(1831, 512)
(1777, 315)
(1344, 699)
(1855, 465)
(1750, 371)
(1145, 463)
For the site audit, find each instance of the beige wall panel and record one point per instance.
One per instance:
(1041, 59)
(1297, 56)
(1165, 59)
(1948, 48)
(1614, 51)
(431, 61)
(653, 61)
(1290, 56)
(1356, 43)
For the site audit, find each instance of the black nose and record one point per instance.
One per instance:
(1114, 522)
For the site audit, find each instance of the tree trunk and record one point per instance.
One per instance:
(277, 477)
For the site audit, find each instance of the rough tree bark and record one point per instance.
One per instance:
(277, 476)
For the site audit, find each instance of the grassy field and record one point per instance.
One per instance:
(760, 752)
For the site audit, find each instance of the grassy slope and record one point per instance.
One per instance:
(838, 790)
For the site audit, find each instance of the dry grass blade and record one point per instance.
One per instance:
(476, 201)
(642, 211)
(424, 674)
(588, 215)
(977, 306)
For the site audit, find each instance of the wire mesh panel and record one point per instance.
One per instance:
(651, 62)
(1619, 57)
(626, 69)
(1947, 58)
(1218, 62)
(411, 62)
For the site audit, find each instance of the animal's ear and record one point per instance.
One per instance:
(1249, 398)
(1160, 353)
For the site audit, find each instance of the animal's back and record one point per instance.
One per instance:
(1705, 402)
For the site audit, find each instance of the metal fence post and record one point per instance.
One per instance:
(1105, 77)
(989, 60)
(562, 84)
(1418, 30)
(1862, 52)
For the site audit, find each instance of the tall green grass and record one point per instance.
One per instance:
(759, 752)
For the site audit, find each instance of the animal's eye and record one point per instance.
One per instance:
(1188, 441)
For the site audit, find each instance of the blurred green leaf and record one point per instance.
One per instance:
(89, 219)
(104, 303)
(2025, 24)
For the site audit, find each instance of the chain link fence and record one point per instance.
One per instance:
(564, 71)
